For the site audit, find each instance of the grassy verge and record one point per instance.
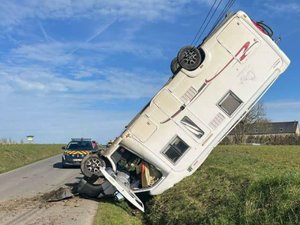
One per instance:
(110, 213)
(235, 185)
(17, 155)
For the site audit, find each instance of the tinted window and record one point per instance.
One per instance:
(175, 149)
(80, 145)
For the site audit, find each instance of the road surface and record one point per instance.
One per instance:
(20, 188)
(39, 177)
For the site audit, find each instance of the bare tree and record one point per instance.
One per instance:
(4, 140)
(256, 115)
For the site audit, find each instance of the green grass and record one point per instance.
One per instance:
(236, 185)
(110, 213)
(17, 155)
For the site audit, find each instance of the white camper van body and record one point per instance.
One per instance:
(195, 110)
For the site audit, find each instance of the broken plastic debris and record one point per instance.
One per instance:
(58, 195)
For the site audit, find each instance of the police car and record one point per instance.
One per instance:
(76, 150)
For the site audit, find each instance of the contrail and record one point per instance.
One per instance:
(102, 29)
(46, 36)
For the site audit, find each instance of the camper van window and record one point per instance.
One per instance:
(192, 127)
(230, 103)
(175, 149)
(141, 173)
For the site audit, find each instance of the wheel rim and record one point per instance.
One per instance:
(190, 57)
(93, 165)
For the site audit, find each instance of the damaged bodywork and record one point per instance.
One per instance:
(214, 85)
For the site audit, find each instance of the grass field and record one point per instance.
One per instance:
(17, 155)
(235, 185)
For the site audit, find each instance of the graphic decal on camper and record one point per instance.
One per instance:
(244, 49)
(240, 55)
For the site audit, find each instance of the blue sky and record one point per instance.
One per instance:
(73, 68)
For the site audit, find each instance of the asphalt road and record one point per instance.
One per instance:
(36, 178)
(19, 189)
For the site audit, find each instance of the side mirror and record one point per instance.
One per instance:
(63, 147)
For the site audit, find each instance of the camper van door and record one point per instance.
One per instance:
(125, 191)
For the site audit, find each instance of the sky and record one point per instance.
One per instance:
(73, 68)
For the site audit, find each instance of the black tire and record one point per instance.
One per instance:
(63, 165)
(89, 190)
(94, 180)
(90, 165)
(174, 66)
(189, 58)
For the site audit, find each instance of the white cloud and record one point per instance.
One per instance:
(99, 31)
(124, 84)
(106, 84)
(15, 12)
(57, 120)
(283, 7)
(54, 53)
(12, 13)
(283, 105)
(62, 53)
(55, 108)
(55, 80)
(141, 50)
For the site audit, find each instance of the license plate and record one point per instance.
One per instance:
(77, 160)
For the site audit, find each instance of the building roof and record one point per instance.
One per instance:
(273, 128)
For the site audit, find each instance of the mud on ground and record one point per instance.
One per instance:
(37, 211)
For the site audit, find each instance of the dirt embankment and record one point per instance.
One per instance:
(37, 211)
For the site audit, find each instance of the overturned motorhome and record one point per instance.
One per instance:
(213, 87)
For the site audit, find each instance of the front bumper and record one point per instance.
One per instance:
(71, 163)
(72, 160)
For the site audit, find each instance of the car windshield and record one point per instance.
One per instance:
(80, 145)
